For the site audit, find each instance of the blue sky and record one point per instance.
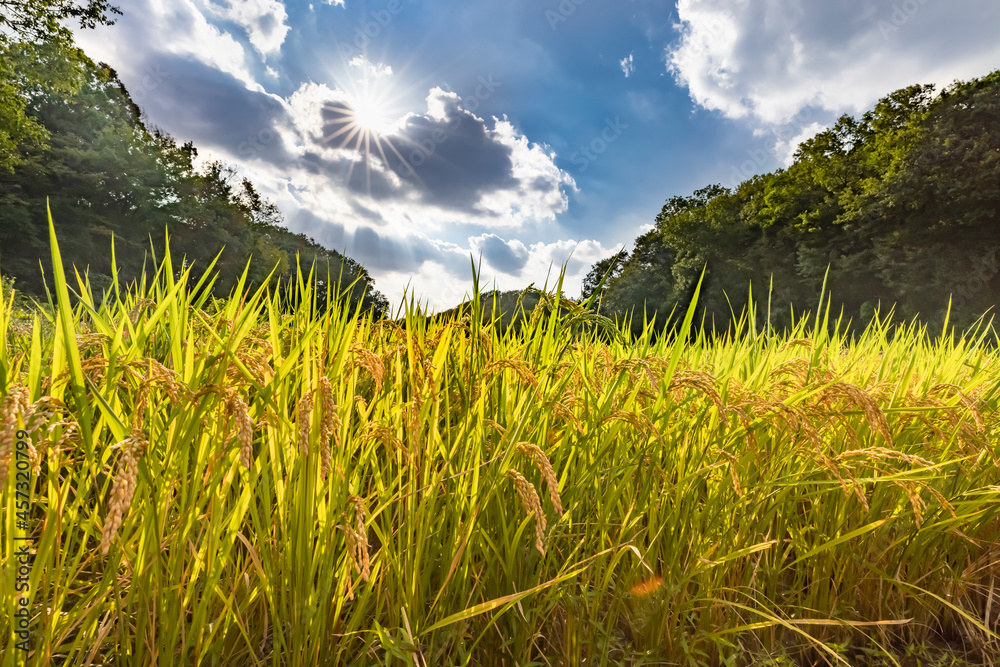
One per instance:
(412, 134)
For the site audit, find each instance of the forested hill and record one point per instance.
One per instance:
(901, 204)
(70, 133)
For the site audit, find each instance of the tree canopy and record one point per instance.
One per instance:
(900, 204)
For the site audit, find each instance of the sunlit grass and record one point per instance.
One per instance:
(440, 493)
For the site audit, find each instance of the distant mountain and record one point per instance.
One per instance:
(900, 204)
(504, 306)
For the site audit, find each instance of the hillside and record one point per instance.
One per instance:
(900, 204)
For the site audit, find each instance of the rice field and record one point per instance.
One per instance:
(240, 483)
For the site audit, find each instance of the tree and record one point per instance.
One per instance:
(37, 54)
(605, 270)
(897, 206)
(41, 20)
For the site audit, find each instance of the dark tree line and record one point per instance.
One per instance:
(901, 205)
(71, 134)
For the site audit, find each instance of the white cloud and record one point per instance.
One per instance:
(449, 166)
(627, 64)
(767, 60)
(514, 265)
(538, 193)
(370, 69)
(784, 149)
(263, 20)
(174, 27)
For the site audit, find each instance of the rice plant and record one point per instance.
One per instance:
(243, 483)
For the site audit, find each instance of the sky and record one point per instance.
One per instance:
(420, 136)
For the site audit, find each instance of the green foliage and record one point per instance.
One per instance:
(900, 205)
(42, 20)
(37, 56)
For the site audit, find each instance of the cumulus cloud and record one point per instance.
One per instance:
(767, 60)
(263, 20)
(165, 28)
(443, 165)
(508, 257)
(518, 264)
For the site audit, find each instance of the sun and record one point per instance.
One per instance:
(361, 116)
(370, 114)
(366, 121)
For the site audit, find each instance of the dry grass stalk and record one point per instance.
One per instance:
(124, 488)
(544, 466)
(531, 504)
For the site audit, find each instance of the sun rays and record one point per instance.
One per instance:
(363, 122)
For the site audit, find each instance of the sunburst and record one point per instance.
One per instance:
(363, 122)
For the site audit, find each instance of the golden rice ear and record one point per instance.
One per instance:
(531, 504)
(364, 358)
(329, 424)
(970, 404)
(14, 403)
(357, 538)
(238, 408)
(303, 412)
(544, 466)
(521, 368)
(700, 381)
(859, 397)
(124, 487)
